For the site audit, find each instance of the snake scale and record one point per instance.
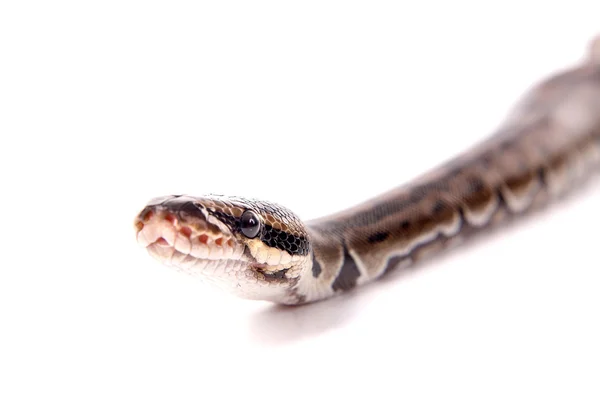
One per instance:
(548, 144)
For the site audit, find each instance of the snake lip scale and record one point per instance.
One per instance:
(548, 144)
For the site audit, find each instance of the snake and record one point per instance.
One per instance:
(547, 145)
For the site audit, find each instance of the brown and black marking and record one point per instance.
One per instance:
(524, 165)
(277, 276)
(316, 268)
(280, 228)
(348, 275)
(293, 244)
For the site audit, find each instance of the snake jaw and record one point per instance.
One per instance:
(167, 235)
(181, 232)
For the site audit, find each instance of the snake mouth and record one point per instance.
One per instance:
(175, 230)
(180, 233)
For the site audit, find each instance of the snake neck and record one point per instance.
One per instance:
(547, 146)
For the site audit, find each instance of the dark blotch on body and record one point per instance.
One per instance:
(348, 275)
(438, 207)
(475, 185)
(378, 237)
(316, 268)
(542, 176)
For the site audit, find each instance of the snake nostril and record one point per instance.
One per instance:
(146, 217)
(139, 225)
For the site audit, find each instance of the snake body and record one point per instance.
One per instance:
(547, 145)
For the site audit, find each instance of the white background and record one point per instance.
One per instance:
(316, 105)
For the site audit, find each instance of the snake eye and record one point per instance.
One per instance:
(250, 224)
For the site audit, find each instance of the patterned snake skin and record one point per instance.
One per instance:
(259, 250)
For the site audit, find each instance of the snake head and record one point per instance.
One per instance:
(255, 249)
